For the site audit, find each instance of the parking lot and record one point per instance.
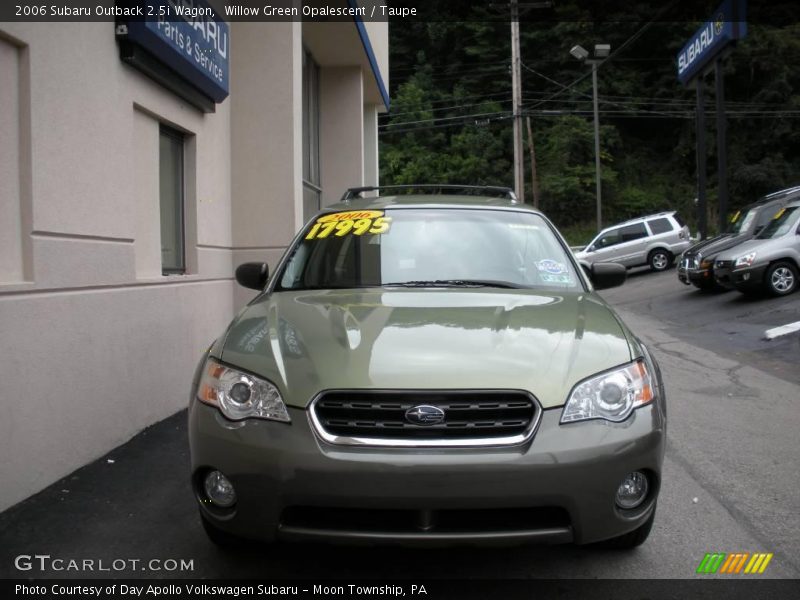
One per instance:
(728, 473)
(725, 322)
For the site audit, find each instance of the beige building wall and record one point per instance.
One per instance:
(97, 344)
(371, 172)
(341, 131)
(266, 136)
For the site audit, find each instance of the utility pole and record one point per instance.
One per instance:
(516, 86)
(534, 179)
(722, 147)
(601, 54)
(598, 178)
(700, 129)
(516, 100)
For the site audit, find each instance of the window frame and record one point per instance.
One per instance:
(603, 234)
(669, 223)
(175, 136)
(644, 231)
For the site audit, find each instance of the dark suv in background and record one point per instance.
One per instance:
(696, 265)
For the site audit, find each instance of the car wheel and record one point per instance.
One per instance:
(632, 539)
(781, 279)
(220, 538)
(659, 260)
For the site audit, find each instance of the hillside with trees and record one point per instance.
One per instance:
(451, 117)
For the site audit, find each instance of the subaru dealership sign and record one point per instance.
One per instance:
(190, 39)
(726, 25)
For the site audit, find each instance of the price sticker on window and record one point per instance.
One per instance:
(354, 222)
(778, 214)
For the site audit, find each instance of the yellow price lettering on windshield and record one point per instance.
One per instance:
(779, 214)
(735, 217)
(349, 223)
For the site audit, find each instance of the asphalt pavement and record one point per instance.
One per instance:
(729, 484)
(726, 322)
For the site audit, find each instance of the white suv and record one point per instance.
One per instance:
(653, 240)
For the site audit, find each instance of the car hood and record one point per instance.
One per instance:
(754, 244)
(710, 247)
(309, 341)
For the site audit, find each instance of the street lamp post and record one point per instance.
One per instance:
(601, 52)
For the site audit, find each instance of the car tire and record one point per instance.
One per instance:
(659, 260)
(220, 538)
(781, 278)
(632, 539)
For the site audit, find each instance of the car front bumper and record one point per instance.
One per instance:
(558, 487)
(698, 277)
(740, 278)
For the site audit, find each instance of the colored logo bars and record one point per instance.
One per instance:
(735, 563)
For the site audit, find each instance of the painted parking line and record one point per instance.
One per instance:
(771, 334)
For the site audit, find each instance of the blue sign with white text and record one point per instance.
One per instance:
(189, 37)
(726, 25)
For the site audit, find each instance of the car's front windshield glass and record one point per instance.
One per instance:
(428, 247)
(781, 223)
(740, 222)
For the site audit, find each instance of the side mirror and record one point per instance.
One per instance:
(607, 275)
(252, 275)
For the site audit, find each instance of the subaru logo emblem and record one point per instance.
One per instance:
(425, 414)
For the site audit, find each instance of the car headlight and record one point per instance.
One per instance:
(746, 260)
(612, 396)
(240, 395)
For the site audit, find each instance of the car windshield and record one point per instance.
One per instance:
(782, 222)
(740, 222)
(429, 247)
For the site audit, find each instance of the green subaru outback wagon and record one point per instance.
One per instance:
(428, 368)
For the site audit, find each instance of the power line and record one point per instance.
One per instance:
(434, 120)
(448, 108)
(616, 114)
(443, 67)
(459, 74)
(482, 124)
(624, 45)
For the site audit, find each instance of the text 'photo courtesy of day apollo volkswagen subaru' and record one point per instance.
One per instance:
(428, 368)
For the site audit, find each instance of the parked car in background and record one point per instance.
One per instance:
(696, 265)
(770, 261)
(428, 369)
(654, 240)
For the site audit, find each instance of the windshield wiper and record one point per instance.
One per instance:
(454, 283)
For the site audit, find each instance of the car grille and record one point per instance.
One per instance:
(481, 417)
(398, 521)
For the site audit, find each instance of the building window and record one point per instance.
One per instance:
(311, 182)
(171, 192)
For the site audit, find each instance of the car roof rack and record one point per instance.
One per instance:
(644, 217)
(490, 190)
(780, 193)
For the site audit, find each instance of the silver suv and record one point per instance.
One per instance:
(653, 240)
(770, 261)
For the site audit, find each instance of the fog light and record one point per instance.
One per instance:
(219, 489)
(633, 490)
